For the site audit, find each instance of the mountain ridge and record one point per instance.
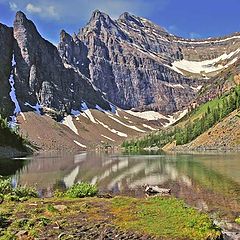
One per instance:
(111, 66)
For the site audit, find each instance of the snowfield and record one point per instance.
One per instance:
(206, 66)
(68, 121)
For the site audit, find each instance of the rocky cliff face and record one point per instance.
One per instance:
(42, 79)
(136, 63)
(6, 50)
(125, 64)
(140, 65)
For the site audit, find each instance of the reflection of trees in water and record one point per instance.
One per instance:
(208, 177)
(9, 167)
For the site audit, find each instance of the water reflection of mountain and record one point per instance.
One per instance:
(9, 167)
(192, 177)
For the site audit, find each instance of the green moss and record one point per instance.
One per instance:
(163, 217)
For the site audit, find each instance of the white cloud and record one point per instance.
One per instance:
(74, 11)
(51, 10)
(33, 9)
(43, 10)
(13, 6)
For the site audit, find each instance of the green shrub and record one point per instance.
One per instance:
(237, 220)
(9, 193)
(5, 186)
(80, 190)
(25, 192)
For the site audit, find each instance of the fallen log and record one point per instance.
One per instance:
(157, 190)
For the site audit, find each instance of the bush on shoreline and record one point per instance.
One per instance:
(81, 190)
(21, 193)
(8, 192)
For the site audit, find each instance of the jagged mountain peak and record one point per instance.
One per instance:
(127, 17)
(24, 27)
(64, 36)
(100, 16)
(97, 14)
(20, 16)
(135, 21)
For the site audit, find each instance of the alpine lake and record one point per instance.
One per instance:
(209, 181)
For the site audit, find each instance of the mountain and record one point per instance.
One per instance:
(6, 48)
(114, 79)
(147, 67)
(40, 76)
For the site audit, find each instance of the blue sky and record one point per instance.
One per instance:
(187, 18)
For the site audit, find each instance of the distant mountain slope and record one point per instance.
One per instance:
(223, 136)
(40, 77)
(211, 125)
(86, 130)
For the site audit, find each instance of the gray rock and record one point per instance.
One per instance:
(6, 50)
(130, 60)
(41, 77)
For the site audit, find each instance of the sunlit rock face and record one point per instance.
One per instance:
(41, 76)
(140, 65)
(134, 62)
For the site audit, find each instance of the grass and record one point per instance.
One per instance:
(162, 217)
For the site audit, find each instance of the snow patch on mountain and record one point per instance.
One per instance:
(13, 95)
(152, 115)
(126, 125)
(206, 66)
(68, 121)
(80, 144)
(148, 115)
(121, 134)
(75, 113)
(172, 119)
(149, 127)
(87, 112)
(108, 138)
(192, 41)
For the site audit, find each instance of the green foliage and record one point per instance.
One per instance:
(23, 192)
(3, 220)
(237, 220)
(5, 186)
(58, 194)
(7, 192)
(200, 120)
(11, 137)
(80, 190)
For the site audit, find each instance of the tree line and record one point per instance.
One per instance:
(193, 128)
(9, 136)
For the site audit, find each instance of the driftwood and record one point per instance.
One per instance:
(157, 190)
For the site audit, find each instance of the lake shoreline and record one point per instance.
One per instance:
(9, 152)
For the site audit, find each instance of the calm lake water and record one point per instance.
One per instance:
(207, 181)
